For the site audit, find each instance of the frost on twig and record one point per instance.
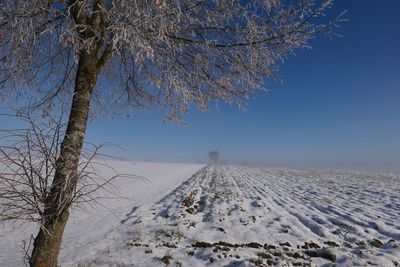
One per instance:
(153, 52)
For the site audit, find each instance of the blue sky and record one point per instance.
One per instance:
(338, 106)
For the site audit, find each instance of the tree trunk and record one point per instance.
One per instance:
(47, 243)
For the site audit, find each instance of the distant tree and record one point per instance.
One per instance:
(214, 156)
(122, 54)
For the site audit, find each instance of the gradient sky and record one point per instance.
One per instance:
(339, 104)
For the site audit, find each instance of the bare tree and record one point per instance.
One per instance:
(28, 157)
(139, 53)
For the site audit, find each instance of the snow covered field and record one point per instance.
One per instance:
(237, 216)
(87, 232)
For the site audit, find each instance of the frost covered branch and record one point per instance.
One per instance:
(153, 52)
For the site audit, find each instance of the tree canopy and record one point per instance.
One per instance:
(151, 52)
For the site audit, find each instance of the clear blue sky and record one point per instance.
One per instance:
(338, 106)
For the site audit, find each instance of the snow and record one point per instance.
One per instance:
(236, 216)
(85, 231)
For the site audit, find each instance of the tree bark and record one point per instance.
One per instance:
(47, 243)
